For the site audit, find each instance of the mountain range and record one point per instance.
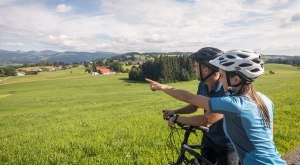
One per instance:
(51, 56)
(21, 57)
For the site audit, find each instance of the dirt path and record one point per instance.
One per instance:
(293, 157)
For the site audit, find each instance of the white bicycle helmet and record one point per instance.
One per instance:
(245, 62)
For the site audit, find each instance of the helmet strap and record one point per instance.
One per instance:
(208, 76)
(201, 76)
(230, 88)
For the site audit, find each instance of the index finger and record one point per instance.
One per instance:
(150, 81)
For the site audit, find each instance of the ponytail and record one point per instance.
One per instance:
(263, 110)
(247, 88)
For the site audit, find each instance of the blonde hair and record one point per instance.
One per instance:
(263, 110)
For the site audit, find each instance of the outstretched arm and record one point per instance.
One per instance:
(185, 96)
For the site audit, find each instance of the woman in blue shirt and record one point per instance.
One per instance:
(248, 115)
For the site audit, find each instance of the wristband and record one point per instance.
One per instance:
(174, 118)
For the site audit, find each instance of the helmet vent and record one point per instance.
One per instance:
(255, 70)
(245, 51)
(242, 55)
(237, 68)
(256, 60)
(221, 58)
(245, 65)
(222, 62)
(230, 56)
(228, 64)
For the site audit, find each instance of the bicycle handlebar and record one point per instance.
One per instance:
(189, 127)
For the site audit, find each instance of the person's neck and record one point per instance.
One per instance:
(210, 83)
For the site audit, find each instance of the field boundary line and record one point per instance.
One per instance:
(5, 78)
(42, 80)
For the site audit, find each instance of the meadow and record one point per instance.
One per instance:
(69, 117)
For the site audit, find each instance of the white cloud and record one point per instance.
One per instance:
(13, 43)
(138, 25)
(29, 18)
(62, 8)
(6, 2)
(63, 41)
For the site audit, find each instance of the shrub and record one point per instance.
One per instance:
(135, 73)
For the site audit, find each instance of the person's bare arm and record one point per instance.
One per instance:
(184, 110)
(205, 120)
(190, 108)
(179, 94)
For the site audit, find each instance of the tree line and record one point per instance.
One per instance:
(290, 60)
(109, 63)
(12, 70)
(49, 63)
(165, 69)
(7, 71)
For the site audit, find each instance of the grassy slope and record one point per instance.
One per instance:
(63, 117)
(283, 88)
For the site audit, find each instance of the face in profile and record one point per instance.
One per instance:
(223, 80)
(197, 66)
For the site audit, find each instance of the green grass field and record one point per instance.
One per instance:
(74, 118)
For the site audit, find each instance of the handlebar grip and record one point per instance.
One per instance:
(202, 128)
(168, 117)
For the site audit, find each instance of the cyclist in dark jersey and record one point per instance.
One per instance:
(216, 147)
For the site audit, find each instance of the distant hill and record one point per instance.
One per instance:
(136, 56)
(50, 55)
(282, 59)
(21, 57)
(266, 57)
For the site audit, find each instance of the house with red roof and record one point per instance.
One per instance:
(104, 70)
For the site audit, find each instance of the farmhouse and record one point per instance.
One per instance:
(60, 67)
(53, 69)
(94, 73)
(20, 74)
(104, 70)
(69, 67)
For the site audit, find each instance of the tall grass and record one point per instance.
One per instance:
(73, 118)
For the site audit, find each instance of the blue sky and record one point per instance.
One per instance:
(268, 27)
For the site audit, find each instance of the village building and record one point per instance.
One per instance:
(104, 70)
(69, 67)
(60, 67)
(94, 73)
(37, 70)
(53, 69)
(20, 73)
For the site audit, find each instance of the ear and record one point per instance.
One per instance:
(206, 69)
(236, 79)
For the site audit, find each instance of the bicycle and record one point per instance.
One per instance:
(197, 159)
